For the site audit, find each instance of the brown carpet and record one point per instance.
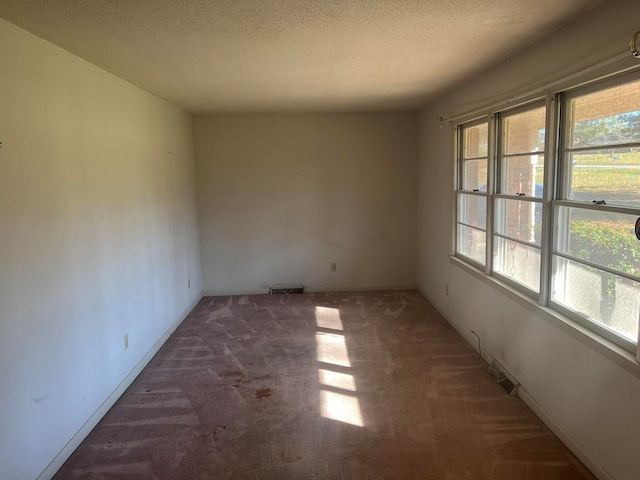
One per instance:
(372, 385)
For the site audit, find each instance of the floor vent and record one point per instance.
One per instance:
(507, 382)
(286, 289)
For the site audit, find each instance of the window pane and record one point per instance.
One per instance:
(472, 243)
(523, 174)
(519, 219)
(604, 298)
(517, 261)
(474, 175)
(475, 141)
(524, 132)
(603, 238)
(606, 117)
(472, 210)
(610, 174)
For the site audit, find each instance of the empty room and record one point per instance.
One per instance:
(290, 239)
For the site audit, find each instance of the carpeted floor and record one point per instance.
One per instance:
(371, 385)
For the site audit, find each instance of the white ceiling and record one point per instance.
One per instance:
(293, 55)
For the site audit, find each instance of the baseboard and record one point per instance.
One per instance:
(227, 293)
(564, 436)
(308, 289)
(535, 407)
(366, 288)
(93, 420)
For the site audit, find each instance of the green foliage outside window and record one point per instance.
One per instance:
(607, 243)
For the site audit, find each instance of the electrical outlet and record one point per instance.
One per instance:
(126, 341)
(188, 283)
(333, 267)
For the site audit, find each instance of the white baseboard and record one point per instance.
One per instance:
(564, 436)
(366, 288)
(227, 293)
(535, 407)
(308, 289)
(102, 410)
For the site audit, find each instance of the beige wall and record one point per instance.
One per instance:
(587, 393)
(281, 197)
(98, 236)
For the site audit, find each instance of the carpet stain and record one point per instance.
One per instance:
(263, 392)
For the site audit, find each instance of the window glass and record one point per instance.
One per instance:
(603, 238)
(474, 175)
(606, 299)
(472, 243)
(472, 210)
(519, 219)
(523, 174)
(524, 132)
(606, 117)
(601, 154)
(475, 141)
(518, 261)
(522, 162)
(611, 174)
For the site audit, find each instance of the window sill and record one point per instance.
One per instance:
(602, 346)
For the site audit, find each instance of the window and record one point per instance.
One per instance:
(584, 261)
(596, 256)
(518, 204)
(472, 193)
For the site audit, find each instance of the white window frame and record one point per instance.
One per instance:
(555, 184)
(459, 190)
(562, 200)
(498, 140)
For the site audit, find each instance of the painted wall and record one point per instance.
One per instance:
(281, 197)
(98, 236)
(587, 393)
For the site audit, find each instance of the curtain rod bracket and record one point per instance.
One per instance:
(632, 45)
(440, 121)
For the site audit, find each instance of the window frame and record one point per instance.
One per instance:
(459, 190)
(556, 177)
(498, 141)
(562, 199)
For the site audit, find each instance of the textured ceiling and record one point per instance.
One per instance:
(293, 55)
